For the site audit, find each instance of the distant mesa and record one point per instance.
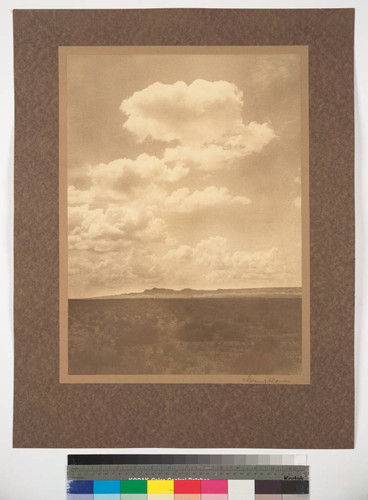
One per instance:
(154, 291)
(167, 293)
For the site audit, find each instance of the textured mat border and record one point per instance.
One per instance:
(50, 414)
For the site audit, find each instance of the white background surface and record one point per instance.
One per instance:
(32, 474)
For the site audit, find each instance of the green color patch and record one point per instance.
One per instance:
(133, 487)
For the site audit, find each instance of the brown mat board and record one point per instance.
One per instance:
(316, 415)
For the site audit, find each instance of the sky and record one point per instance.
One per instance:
(184, 171)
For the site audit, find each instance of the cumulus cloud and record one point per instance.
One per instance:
(89, 274)
(124, 174)
(112, 229)
(182, 200)
(201, 112)
(78, 197)
(204, 118)
(126, 201)
(218, 156)
(211, 157)
(252, 138)
(121, 234)
(124, 178)
(210, 263)
(100, 222)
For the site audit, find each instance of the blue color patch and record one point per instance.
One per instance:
(109, 487)
(80, 487)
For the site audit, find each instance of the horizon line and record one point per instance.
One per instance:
(181, 290)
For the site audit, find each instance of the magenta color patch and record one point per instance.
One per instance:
(213, 486)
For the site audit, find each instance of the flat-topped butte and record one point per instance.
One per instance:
(167, 293)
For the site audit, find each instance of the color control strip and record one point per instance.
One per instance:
(188, 490)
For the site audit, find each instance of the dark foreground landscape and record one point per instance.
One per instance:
(222, 335)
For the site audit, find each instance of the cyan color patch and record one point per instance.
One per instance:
(106, 487)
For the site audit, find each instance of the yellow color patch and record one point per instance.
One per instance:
(160, 487)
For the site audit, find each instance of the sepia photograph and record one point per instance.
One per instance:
(184, 233)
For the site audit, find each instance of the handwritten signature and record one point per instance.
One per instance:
(267, 380)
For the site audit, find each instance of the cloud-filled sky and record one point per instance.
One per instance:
(183, 171)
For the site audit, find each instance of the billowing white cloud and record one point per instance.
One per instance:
(211, 261)
(115, 228)
(93, 273)
(182, 200)
(201, 112)
(121, 234)
(210, 157)
(78, 197)
(204, 118)
(126, 201)
(218, 156)
(104, 223)
(124, 174)
(124, 178)
(251, 138)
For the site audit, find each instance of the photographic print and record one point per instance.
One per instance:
(184, 237)
(184, 228)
